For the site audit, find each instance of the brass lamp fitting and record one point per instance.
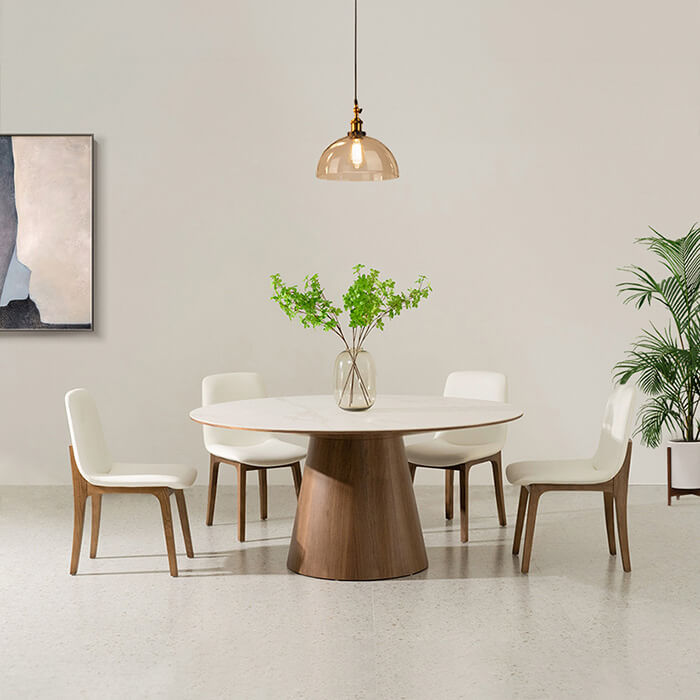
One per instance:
(356, 123)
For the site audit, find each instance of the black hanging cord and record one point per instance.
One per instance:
(355, 51)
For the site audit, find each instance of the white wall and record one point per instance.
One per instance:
(535, 141)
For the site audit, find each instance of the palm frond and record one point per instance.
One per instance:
(681, 257)
(654, 415)
(666, 362)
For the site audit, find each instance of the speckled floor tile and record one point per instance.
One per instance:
(237, 624)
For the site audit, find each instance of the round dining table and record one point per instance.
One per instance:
(356, 517)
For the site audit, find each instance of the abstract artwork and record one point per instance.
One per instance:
(46, 239)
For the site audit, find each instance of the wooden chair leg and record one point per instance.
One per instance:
(520, 520)
(498, 487)
(241, 501)
(449, 493)
(213, 481)
(262, 486)
(296, 475)
(608, 499)
(412, 469)
(163, 496)
(535, 494)
(96, 499)
(79, 500)
(668, 476)
(464, 503)
(184, 521)
(621, 512)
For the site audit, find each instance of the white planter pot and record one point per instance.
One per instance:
(685, 464)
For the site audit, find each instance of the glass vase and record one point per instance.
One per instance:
(355, 380)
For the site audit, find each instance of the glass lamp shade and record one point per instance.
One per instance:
(358, 158)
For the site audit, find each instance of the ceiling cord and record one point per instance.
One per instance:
(355, 51)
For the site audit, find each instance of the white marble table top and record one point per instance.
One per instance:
(319, 415)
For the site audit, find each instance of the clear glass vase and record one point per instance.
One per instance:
(355, 380)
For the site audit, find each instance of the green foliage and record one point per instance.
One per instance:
(309, 303)
(666, 362)
(369, 301)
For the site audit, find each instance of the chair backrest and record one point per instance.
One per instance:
(89, 446)
(232, 386)
(488, 386)
(618, 423)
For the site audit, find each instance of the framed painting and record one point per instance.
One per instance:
(46, 232)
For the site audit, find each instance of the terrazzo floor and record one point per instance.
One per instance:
(237, 624)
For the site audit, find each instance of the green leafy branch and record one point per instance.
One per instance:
(368, 302)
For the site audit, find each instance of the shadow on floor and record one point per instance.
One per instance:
(560, 547)
(445, 562)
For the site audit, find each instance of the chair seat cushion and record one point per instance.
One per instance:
(175, 476)
(562, 471)
(441, 453)
(269, 453)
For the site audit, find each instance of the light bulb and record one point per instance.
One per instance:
(356, 153)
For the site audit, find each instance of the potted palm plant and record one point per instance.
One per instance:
(369, 302)
(666, 360)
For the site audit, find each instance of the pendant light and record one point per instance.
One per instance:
(357, 157)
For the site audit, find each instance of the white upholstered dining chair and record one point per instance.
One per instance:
(607, 471)
(459, 450)
(244, 449)
(94, 474)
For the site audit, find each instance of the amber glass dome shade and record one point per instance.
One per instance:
(358, 158)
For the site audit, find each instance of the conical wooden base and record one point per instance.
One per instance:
(357, 517)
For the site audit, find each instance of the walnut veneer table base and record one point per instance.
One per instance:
(357, 518)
